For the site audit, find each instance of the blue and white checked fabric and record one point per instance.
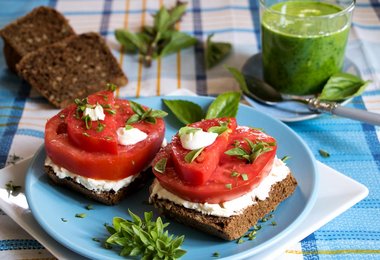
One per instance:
(353, 146)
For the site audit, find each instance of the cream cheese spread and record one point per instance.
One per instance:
(233, 207)
(91, 184)
(130, 136)
(197, 138)
(96, 113)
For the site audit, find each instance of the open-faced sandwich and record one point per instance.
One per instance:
(219, 177)
(100, 146)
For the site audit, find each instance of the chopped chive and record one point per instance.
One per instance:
(235, 174)
(229, 186)
(285, 158)
(64, 220)
(80, 215)
(110, 111)
(244, 176)
(240, 240)
(324, 153)
(89, 207)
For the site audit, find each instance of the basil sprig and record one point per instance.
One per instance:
(225, 105)
(216, 52)
(256, 149)
(144, 237)
(158, 40)
(141, 114)
(341, 86)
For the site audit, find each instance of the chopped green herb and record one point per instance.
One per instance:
(191, 156)
(234, 174)
(323, 153)
(244, 176)
(256, 149)
(216, 254)
(95, 239)
(63, 220)
(274, 223)
(108, 138)
(186, 130)
(161, 165)
(111, 87)
(144, 237)
(141, 114)
(110, 111)
(229, 186)
(285, 158)
(85, 134)
(100, 127)
(223, 127)
(80, 215)
(128, 127)
(89, 207)
(240, 240)
(12, 189)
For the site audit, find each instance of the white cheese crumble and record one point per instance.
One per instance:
(130, 136)
(197, 139)
(232, 207)
(96, 113)
(91, 184)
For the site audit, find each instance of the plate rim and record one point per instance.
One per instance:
(246, 253)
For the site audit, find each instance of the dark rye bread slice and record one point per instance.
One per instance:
(228, 228)
(108, 198)
(72, 68)
(41, 27)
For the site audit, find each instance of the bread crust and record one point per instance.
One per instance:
(75, 67)
(228, 228)
(40, 27)
(108, 198)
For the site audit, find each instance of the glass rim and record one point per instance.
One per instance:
(344, 11)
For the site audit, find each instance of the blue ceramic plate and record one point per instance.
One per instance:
(49, 204)
(286, 111)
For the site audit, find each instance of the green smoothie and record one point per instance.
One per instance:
(303, 46)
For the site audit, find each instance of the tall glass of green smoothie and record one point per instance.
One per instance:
(303, 42)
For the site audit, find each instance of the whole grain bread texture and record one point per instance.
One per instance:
(108, 198)
(41, 27)
(72, 68)
(228, 228)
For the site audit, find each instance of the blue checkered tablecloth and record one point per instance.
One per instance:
(353, 146)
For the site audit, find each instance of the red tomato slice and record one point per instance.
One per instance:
(128, 160)
(222, 185)
(97, 136)
(199, 171)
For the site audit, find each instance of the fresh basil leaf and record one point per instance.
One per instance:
(157, 113)
(130, 41)
(161, 20)
(225, 105)
(191, 156)
(137, 108)
(188, 130)
(218, 129)
(176, 13)
(341, 86)
(237, 151)
(133, 119)
(178, 41)
(239, 77)
(216, 52)
(186, 111)
(161, 165)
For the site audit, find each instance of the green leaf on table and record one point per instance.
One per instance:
(216, 52)
(239, 77)
(177, 42)
(341, 86)
(225, 105)
(131, 42)
(186, 111)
